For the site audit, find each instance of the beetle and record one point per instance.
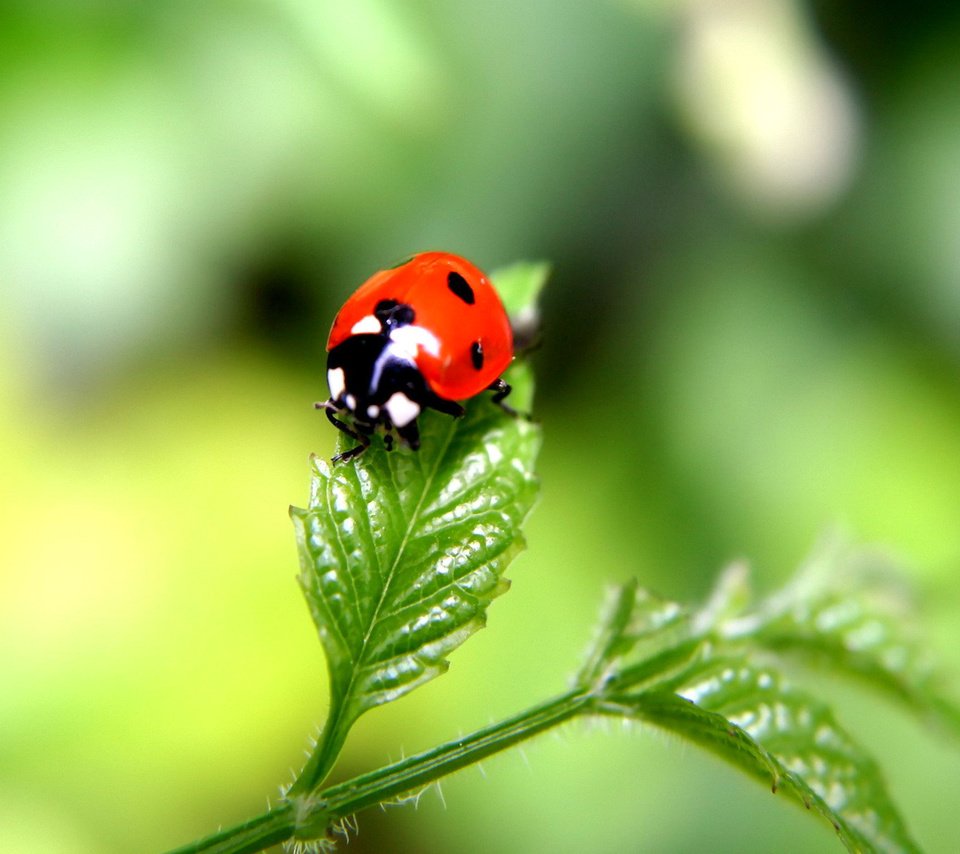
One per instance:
(425, 334)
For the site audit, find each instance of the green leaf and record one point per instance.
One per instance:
(849, 611)
(520, 284)
(639, 636)
(402, 552)
(660, 663)
(751, 716)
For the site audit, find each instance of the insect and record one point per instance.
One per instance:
(422, 335)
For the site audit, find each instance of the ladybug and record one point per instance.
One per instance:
(422, 335)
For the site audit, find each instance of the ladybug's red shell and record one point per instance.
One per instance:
(462, 335)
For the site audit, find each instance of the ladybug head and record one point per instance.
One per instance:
(373, 373)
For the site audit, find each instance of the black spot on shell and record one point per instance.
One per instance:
(476, 355)
(461, 288)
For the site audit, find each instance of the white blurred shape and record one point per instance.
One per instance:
(778, 122)
(84, 183)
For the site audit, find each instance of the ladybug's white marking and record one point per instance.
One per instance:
(406, 340)
(368, 325)
(373, 411)
(402, 346)
(351, 402)
(337, 381)
(401, 409)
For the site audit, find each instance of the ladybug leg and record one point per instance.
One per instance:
(441, 404)
(500, 390)
(353, 452)
(410, 434)
(329, 407)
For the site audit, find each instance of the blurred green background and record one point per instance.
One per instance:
(752, 336)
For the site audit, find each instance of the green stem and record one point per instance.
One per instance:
(274, 826)
(311, 815)
(322, 758)
(415, 772)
